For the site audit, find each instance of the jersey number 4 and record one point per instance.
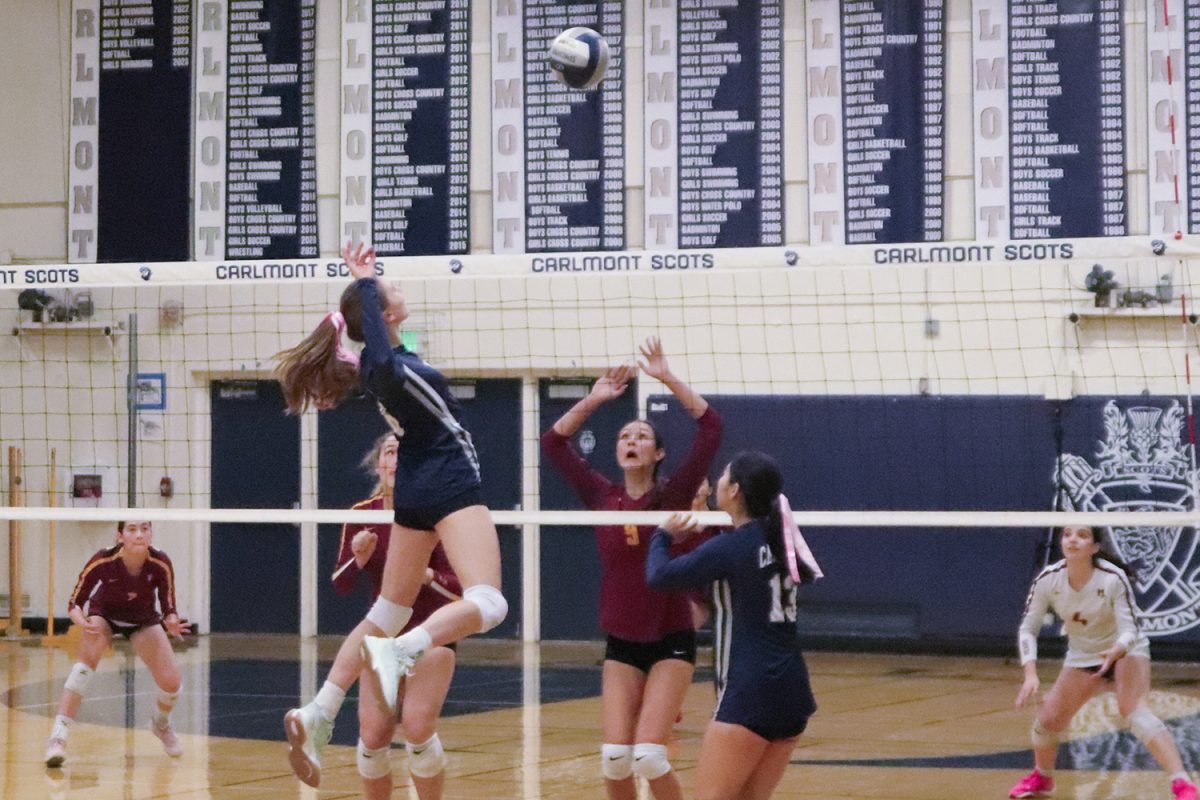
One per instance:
(783, 599)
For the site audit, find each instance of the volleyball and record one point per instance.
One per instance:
(579, 57)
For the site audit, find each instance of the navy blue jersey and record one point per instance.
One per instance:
(762, 681)
(436, 459)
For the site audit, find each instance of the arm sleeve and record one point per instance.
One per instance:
(85, 584)
(590, 485)
(345, 571)
(443, 573)
(1126, 613)
(377, 364)
(1036, 606)
(166, 586)
(682, 485)
(709, 562)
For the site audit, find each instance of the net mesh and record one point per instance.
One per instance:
(889, 389)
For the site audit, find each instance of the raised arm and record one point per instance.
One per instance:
(655, 365)
(708, 562)
(611, 385)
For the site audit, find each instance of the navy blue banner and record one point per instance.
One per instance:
(957, 453)
(730, 123)
(893, 62)
(574, 140)
(1066, 102)
(271, 205)
(145, 109)
(421, 126)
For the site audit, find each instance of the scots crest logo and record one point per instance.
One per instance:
(1143, 464)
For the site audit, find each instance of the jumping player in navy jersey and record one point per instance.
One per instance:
(764, 698)
(117, 592)
(362, 552)
(436, 499)
(1106, 651)
(651, 649)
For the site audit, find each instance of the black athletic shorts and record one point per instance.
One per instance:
(680, 645)
(128, 629)
(426, 518)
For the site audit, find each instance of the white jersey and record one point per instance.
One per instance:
(1100, 613)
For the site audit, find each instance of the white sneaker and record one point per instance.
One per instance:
(307, 733)
(166, 735)
(56, 752)
(388, 662)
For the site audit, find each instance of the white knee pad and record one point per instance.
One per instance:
(1041, 737)
(427, 759)
(616, 761)
(1144, 724)
(389, 617)
(491, 604)
(169, 698)
(650, 760)
(80, 678)
(374, 764)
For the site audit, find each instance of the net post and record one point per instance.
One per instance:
(51, 639)
(131, 402)
(15, 612)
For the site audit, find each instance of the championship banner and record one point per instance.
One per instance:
(255, 156)
(1170, 114)
(130, 131)
(1049, 119)
(876, 121)
(574, 139)
(405, 125)
(713, 123)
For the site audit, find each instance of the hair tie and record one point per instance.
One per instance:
(797, 549)
(343, 353)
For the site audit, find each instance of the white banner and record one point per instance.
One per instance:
(84, 137)
(661, 125)
(1166, 122)
(357, 112)
(508, 126)
(826, 159)
(1080, 254)
(989, 58)
(210, 148)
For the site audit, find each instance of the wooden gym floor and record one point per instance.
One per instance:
(524, 725)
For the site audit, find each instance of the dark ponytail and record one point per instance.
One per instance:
(760, 482)
(311, 372)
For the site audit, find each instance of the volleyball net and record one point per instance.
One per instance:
(904, 390)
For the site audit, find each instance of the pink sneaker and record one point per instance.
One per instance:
(1183, 789)
(166, 735)
(1035, 784)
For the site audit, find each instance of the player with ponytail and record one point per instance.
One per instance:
(436, 499)
(763, 695)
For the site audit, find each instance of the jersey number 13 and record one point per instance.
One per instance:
(783, 599)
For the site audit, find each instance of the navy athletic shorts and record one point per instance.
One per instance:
(426, 518)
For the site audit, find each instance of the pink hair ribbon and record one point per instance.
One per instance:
(797, 549)
(339, 324)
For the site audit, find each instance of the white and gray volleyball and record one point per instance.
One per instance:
(579, 57)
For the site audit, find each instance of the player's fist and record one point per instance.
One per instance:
(363, 546)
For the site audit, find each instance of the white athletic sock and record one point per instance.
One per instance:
(330, 700)
(62, 727)
(1045, 773)
(1181, 776)
(417, 640)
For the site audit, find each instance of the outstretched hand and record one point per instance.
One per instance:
(655, 364)
(680, 526)
(360, 259)
(612, 383)
(176, 628)
(1029, 689)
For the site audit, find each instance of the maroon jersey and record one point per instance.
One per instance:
(106, 588)
(445, 586)
(628, 608)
